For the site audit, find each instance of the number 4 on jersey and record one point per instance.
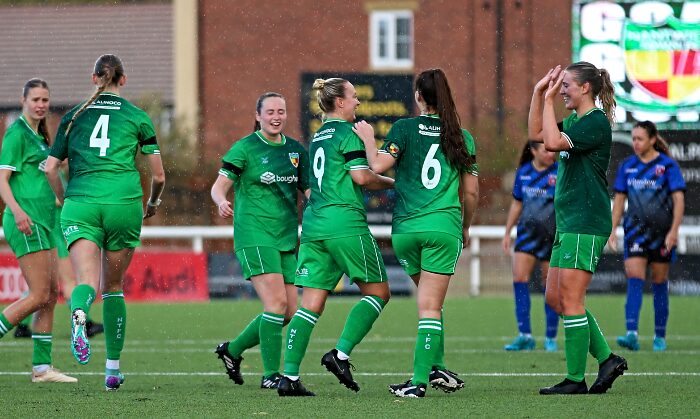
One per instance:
(101, 128)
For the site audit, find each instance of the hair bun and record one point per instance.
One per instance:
(318, 84)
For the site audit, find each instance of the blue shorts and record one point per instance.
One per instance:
(651, 250)
(535, 241)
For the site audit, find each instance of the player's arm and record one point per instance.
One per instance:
(678, 198)
(22, 220)
(53, 166)
(534, 118)
(219, 190)
(516, 208)
(378, 161)
(554, 140)
(617, 210)
(157, 184)
(370, 180)
(469, 198)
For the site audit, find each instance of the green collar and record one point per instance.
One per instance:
(268, 142)
(29, 126)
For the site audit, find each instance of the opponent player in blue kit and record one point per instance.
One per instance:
(653, 186)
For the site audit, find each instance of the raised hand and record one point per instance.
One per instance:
(554, 84)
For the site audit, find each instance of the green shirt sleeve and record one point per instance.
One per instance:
(147, 135)
(303, 169)
(469, 142)
(395, 141)
(234, 161)
(586, 133)
(353, 149)
(12, 151)
(59, 149)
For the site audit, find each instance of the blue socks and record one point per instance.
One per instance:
(522, 306)
(660, 308)
(635, 287)
(552, 321)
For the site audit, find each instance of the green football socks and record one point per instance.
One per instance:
(599, 347)
(114, 318)
(439, 362)
(271, 341)
(5, 325)
(427, 348)
(576, 338)
(298, 335)
(249, 337)
(359, 322)
(42, 349)
(82, 298)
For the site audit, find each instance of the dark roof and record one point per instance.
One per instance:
(61, 43)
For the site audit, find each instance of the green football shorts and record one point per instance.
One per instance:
(57, 236)
(323, 262)
(264, 260)
(577, 251)
(110, 226)
(432, 251)
(22, 244)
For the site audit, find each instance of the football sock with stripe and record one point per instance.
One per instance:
(576, 338)
(271, 341)
(427, 346)
(439, 362)
(660, 308)
(633, 305)
(5, 325)
(114, 317)
(359, 322)
(552, 321)
(522, 307)
(42, 349)
(598, 346)
(82, 298)
(249, 337)
(298, 335)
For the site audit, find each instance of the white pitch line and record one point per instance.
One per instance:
(369, 374)
(369, 340)
(206, 350)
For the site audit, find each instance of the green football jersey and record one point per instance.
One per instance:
(24, 152)
(101, 150)
(427, 186)
(266, 177)
(581, 200)
(336, 208)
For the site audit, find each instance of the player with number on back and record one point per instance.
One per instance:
(335, 238)
(437, 188)
(103, 211)
(653, 186)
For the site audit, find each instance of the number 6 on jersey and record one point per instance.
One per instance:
(101, 128)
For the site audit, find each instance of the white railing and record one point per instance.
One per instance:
(477, 233)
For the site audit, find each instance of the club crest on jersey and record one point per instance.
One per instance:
(294, 158)
(660, 170)
(552, 180)
(393, 150)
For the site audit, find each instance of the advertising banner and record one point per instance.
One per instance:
(152, 276)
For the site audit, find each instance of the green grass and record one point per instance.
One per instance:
(171, 370)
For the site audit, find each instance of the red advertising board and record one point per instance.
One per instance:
(152, 276)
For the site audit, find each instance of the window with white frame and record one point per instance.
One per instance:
(391, 39)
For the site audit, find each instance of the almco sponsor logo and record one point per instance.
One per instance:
(269, 178)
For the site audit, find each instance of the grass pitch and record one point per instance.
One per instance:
(171, 370)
